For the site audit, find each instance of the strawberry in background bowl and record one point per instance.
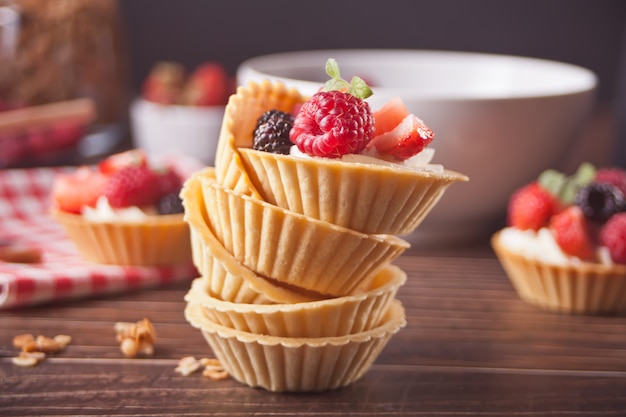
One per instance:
(124, 211)
(180, 112)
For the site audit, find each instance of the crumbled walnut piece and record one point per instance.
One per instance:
(24, 361)
(22, 340)
(188, 365)
(136, 338)
(63, 339)
(211, 367)
(49, 345)
(37, 355)
(33, 350)
(129, 348)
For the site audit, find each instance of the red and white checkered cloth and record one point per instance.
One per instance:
(63, 273)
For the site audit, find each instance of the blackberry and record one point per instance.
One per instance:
(599, 201)
(170, 204)
(271, 133)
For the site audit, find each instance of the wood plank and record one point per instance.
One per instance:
(152, 388)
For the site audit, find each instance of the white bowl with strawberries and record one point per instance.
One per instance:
(498, 119)
(179, 112)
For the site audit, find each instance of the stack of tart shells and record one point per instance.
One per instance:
(298, 288)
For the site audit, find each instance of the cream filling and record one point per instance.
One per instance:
(542, 246)
(103, 212)
(419, 162)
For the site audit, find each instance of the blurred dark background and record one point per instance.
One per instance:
(584, 32)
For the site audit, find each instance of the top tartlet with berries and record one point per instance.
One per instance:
(584, 212)
(121, 181)
(338, 121)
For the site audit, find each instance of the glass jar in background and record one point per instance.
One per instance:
(57, 51)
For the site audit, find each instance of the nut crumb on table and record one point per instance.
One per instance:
(34, 350)
(136, 338)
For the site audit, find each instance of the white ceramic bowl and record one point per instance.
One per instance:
(499, 119)
(167, 129)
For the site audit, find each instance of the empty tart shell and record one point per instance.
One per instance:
(583, 288)
(155, 241)
(370, 198)
(296, 364)
(225, 277)
(323, 318)
(240, 117)
(295, 249)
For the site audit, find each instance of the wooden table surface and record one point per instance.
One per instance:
(470, 348)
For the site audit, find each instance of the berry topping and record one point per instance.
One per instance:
(71, 192)
(114, 163)
(334, 123)
(613, 236)
(164, 83)
(572, 233)
(408, 138)
(169, 181)
(208, 85)
(170, 204)
(132, 186)
(599, 201)
(565, 187)
(615, 176)
(271, 133)
(389, 115)
(531, 207)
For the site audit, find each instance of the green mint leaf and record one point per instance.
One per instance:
(332, 68)
(552, 181)
(359, 88)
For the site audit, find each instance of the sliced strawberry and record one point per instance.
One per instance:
(132, 186)
(71, 192)
(116, 162)
(390, 115)
(572, 233)
(208, 85)
(530, 207)
(408, 138)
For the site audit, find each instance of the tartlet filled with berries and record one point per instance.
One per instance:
(124, 211)
(564, 247)
(367, 170)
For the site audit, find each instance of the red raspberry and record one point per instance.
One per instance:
(531, 207)
(332, 124)
(613, 236)
(572, 233)
(132, 186)
(615, 176)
